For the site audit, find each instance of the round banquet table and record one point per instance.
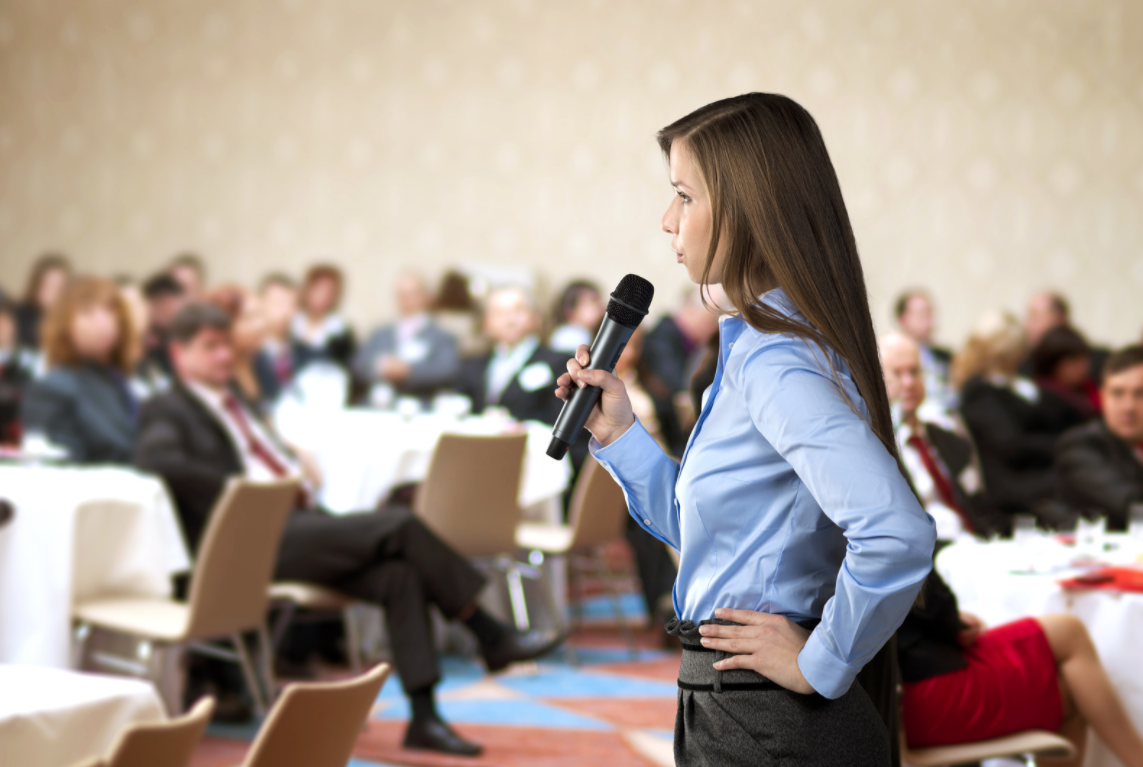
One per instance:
(363, 454)
(55, 718)
(78, 533)
(1005, 580)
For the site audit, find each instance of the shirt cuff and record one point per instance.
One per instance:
(825, 673)
(632, 453)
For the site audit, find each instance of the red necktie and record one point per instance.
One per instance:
(944, 487)
(253, 444)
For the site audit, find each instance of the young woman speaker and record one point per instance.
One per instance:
(801, 544)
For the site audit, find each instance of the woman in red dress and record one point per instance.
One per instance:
(963, 683)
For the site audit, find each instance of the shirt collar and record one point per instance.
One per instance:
(211, 397)
(523, 349)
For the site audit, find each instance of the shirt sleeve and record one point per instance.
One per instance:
(796, 404)
(647, 476)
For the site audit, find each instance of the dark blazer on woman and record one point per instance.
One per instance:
(87, 409)
(1097, 471)
(927, 640)
(1016, 441)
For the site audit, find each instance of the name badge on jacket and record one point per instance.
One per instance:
(412, 351)
(535, 376)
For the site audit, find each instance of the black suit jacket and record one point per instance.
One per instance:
(87, 409)
(956, 453)
(1097, 471)
(665, 354)
(539, 404)
(180, 440)
(1016, 440)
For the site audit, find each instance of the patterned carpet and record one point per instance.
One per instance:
(550, 714)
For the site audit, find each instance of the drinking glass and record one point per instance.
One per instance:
(1023, 529)
(1090, 533)
(1135, 522)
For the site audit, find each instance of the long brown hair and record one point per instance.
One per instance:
(776, 201)
(84, 293)
(48, 262)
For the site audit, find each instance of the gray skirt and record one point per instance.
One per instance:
(740, 717)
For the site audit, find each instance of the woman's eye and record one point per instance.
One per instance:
(685, 198)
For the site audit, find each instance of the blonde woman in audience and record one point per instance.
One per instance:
(1013, 423)
(321, 333)
(85, 403)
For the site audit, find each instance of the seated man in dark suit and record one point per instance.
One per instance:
(1099, 466)
(520, 373)
(199, 434)
(413, 356)
(940, 462)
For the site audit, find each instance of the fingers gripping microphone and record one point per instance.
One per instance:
(626, 309)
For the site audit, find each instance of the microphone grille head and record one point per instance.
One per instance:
(631, 300)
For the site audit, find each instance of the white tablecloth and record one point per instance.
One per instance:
(363, 454)
(55, 718)
(78, 533)
(992, 581)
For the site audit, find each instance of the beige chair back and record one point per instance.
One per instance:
(166, 744)
(469, 497)
(236, 559)
(316, 724)
(598, 512)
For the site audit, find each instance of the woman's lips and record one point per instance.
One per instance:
(678, 258)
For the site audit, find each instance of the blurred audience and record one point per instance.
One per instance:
(17, 366)
(85, 403)
(46, 283)
(916, 319)
(676, 345)
(1099, 466)
(1013, 424)
(189, 271)
(1061, 364)
(279, 297)
(319, 331)
(941, 463)
(455, 310)
(576, 318)
(1047, 310)
(412, 356)
(164, 296)
(200, 434)
(964, 683)
(519, 374)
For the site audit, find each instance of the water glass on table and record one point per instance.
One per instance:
(1135, 522)
(1090, 534)
(1023, 529)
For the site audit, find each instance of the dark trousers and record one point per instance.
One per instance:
(389, 558)
(656, 568)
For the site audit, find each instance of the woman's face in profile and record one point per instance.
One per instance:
(688, 218)
(95, 332)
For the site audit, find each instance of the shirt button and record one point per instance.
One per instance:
(731, 345)
(646, 521)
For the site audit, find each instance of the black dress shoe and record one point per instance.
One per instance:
(435, 735)
(516, 646)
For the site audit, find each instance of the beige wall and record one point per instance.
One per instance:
(985, 149)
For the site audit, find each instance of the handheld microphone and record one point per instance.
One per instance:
(626, 309)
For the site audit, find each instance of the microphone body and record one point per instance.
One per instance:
(619, 323)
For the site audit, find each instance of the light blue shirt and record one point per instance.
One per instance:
(785, 502)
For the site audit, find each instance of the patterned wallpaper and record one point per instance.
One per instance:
(986, 148)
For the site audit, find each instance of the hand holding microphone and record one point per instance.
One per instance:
(592, 396)
(613, 415)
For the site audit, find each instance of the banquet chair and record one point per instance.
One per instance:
(162, 744)
(290, 595)
(597, 517)
(470, 499)
(316, 724)
(1021, 745)
(228, 591)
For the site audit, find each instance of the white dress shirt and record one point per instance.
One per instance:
(506, 362)
(254, 467)
(949, 524)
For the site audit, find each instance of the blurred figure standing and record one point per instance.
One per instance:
(319, 331)
(189, 271)
(85, 403)
(577, 316)
(165, 296)
(412, 356)
(279, 299)
(916, 319)
(46, 283)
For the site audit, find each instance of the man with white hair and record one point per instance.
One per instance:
(520, 373)
(940, 462)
